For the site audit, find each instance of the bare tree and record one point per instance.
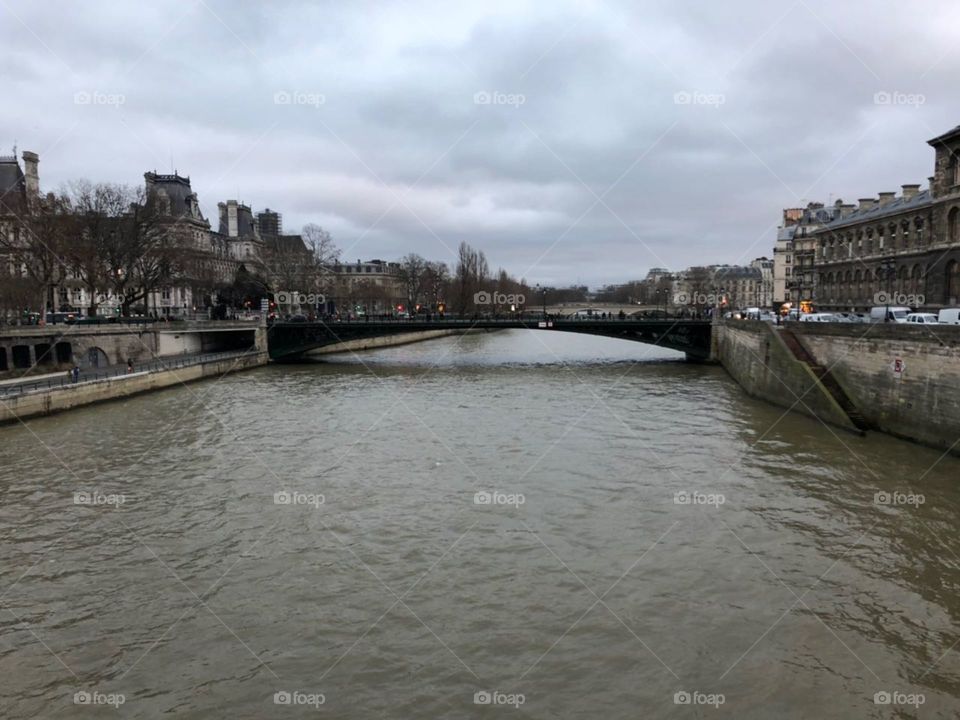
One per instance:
(412, 275)
(36, 250)
(123, 244)
(324, 253)
(472, 272)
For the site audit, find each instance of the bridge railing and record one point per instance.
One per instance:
(447, 320)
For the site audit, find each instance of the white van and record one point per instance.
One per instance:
(950, 316)
(894, 314)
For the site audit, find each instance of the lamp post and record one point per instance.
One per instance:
(888, 268)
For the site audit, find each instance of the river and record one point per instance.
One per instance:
(551, 524)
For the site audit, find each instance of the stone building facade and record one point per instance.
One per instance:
(904, 248)
(210, 256)
(373, 287)
(794, 255)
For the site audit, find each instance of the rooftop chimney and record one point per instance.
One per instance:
(886, 198)
(910, 191)
(847, 209)
(867, 203)
(32, 177)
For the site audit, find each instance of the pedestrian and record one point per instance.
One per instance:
(129, 366)
(76, 373)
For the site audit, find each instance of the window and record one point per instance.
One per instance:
(952, 283)
(952, 225)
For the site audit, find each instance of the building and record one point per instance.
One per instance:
(898, 249)
(742, 286)
(794, 255)
(765, 291)
(199, 261)
(373, 287)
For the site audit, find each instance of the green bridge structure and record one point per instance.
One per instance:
(290, 341)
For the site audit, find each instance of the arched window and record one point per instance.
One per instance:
(902, 279)
(857, 285)
(918, 231)
(916, 280)
(904, 234)
(952, 283)
(952, 225)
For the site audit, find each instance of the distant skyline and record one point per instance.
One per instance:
(570, 141)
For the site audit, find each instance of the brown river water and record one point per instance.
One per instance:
(511, 524)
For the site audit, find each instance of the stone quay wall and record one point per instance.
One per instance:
(903, 379)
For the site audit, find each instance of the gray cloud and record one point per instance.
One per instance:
(382, 97)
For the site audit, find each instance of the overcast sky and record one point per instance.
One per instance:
(571, 141)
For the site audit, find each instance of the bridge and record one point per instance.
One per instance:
(289, 341)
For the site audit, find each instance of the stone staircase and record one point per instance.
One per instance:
(826, 378)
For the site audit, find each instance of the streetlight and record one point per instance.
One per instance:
(544, 291)
(888, 268)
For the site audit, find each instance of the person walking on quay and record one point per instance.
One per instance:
(75, 373)
(129, 366)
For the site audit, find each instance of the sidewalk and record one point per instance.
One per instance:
(32, 378)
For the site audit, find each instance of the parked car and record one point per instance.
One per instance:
(819, 317)
(949, 316)
(852, 317)
(893, 314)
(923, 318)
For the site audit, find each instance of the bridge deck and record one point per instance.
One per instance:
(290, 339)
